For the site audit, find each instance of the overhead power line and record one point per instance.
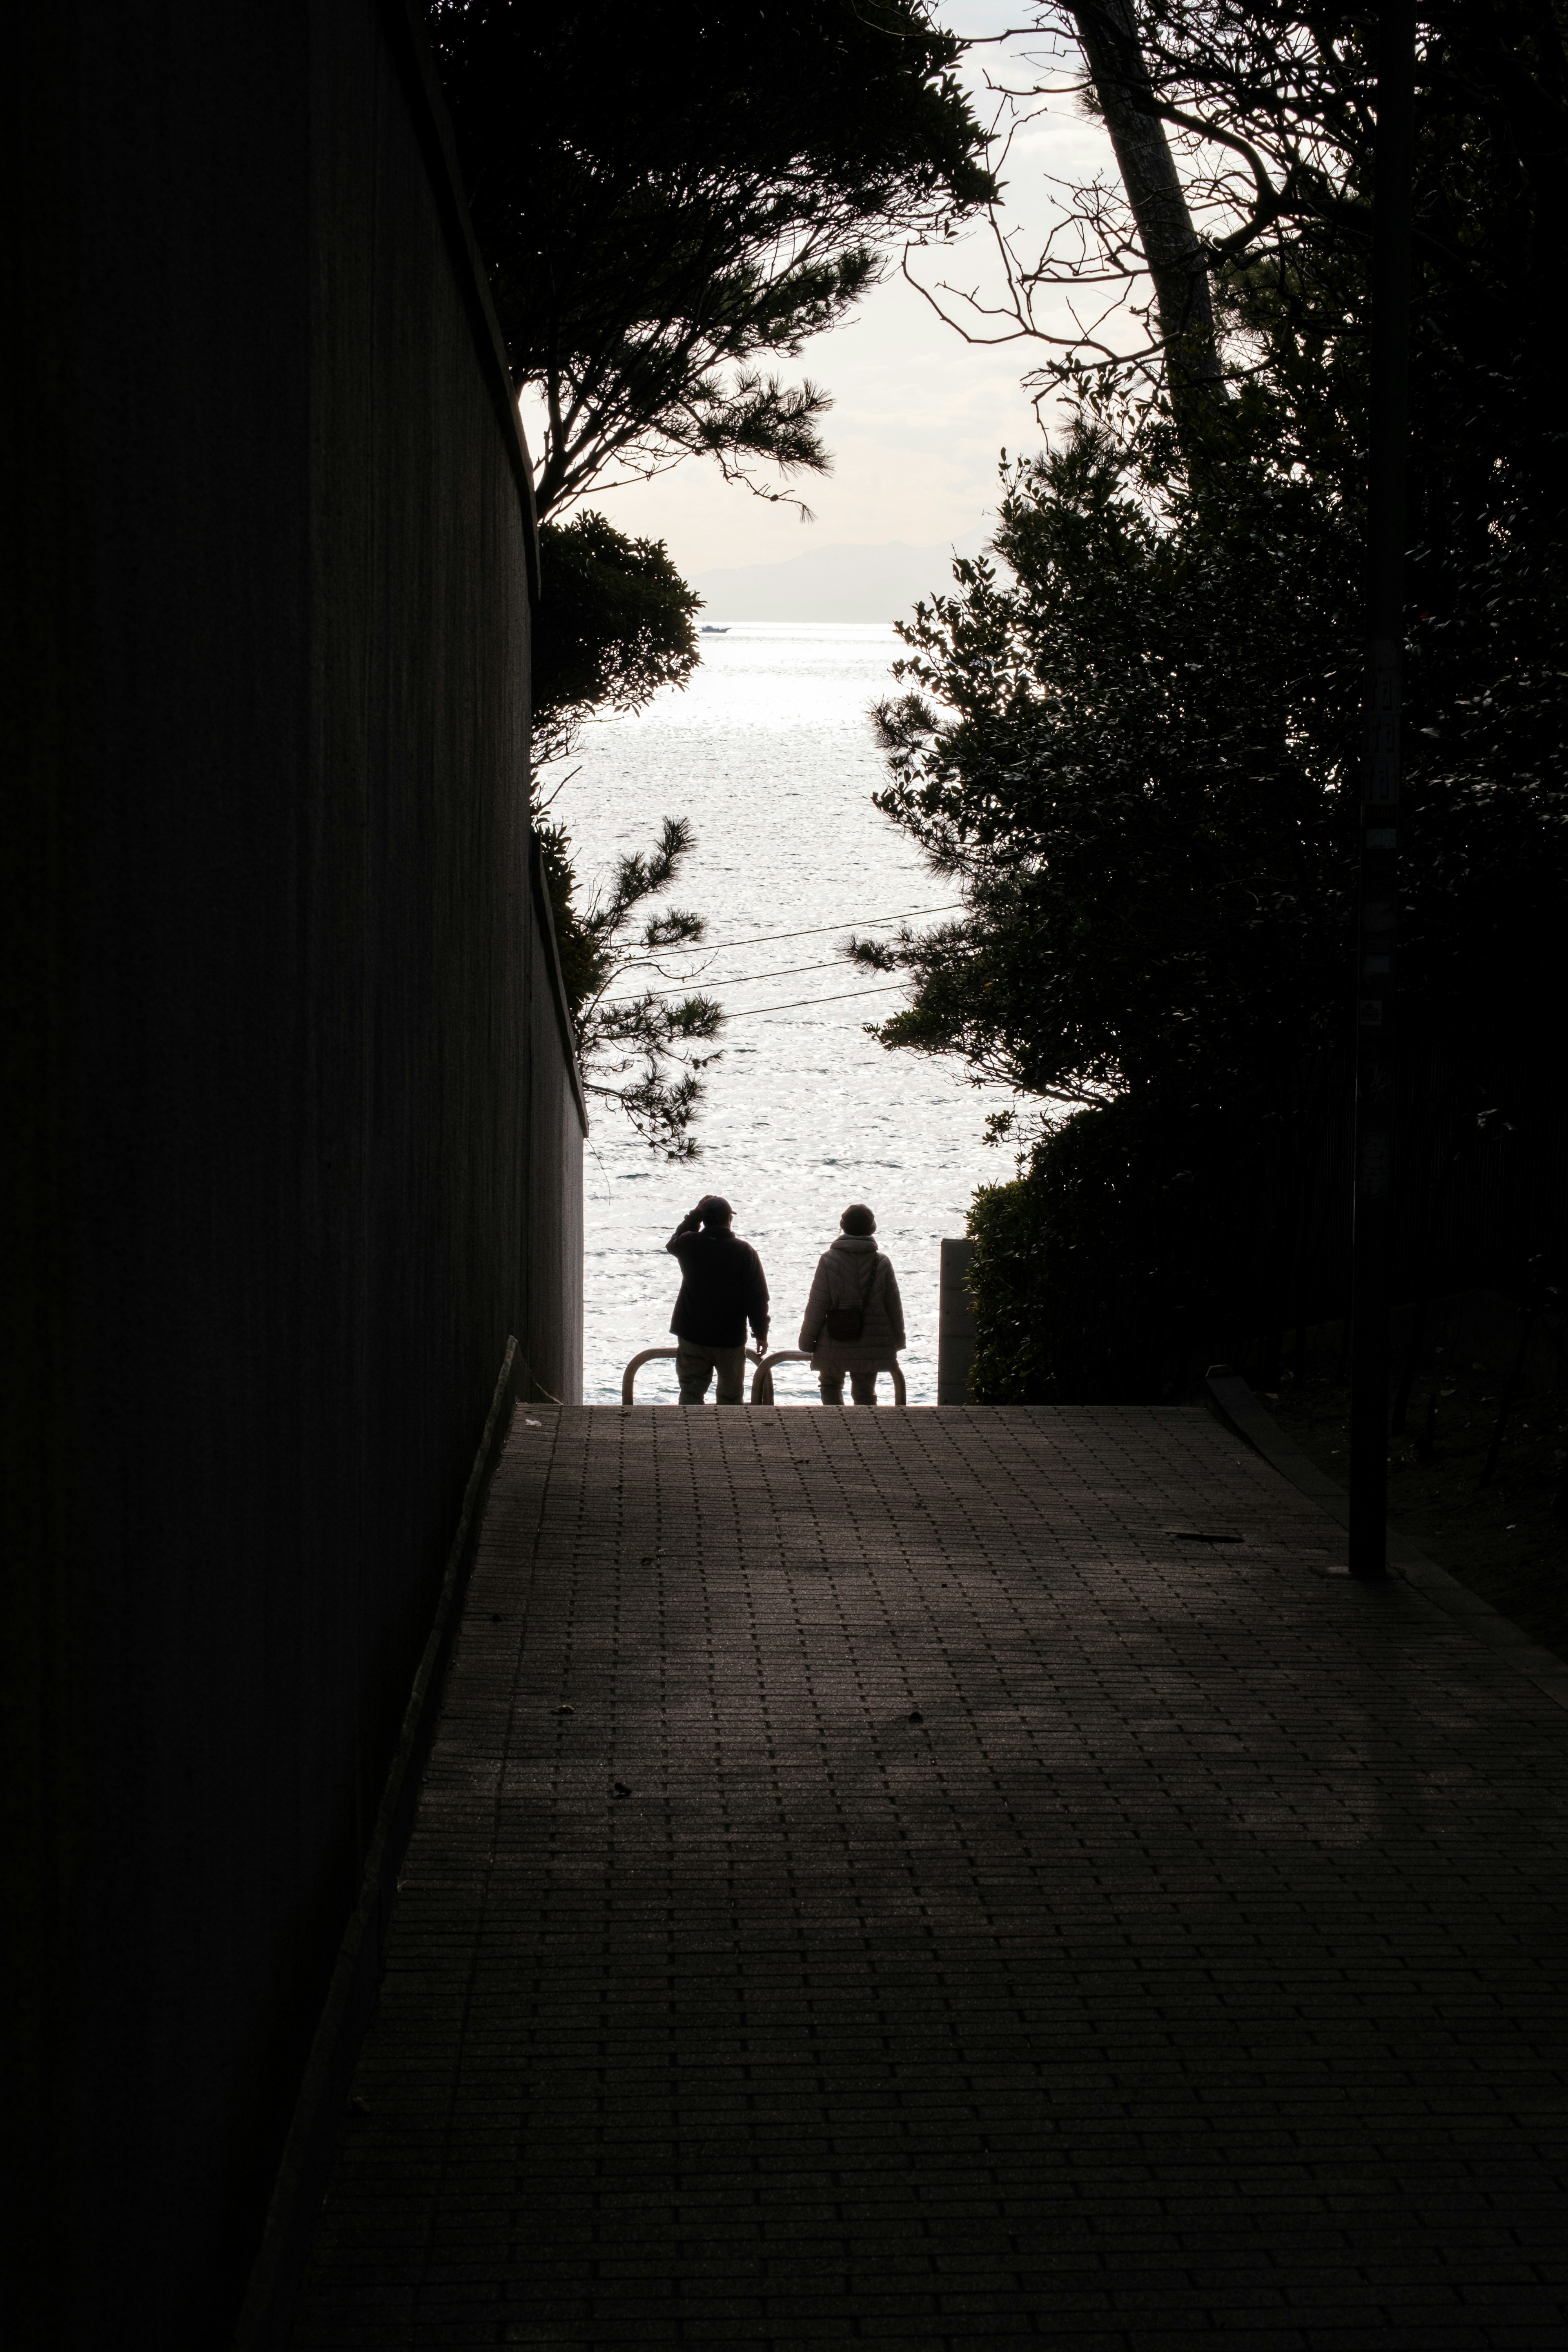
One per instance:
(769, 938)
(728, 980)
(812, 1000)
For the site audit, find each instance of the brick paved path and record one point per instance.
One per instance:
(880, 1880)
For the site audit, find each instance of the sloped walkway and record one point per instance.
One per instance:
(883, 1879)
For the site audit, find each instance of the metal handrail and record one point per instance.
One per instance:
(648, 1356)
(763, 1378)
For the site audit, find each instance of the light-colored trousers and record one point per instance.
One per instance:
(694, 1366)
(862, 1386)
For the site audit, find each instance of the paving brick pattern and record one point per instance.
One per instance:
(881, 1879)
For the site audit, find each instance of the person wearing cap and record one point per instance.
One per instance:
(854, 1319)
(723, 1287)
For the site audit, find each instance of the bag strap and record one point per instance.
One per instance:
(867, 1277)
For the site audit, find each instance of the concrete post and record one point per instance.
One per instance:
(955, 1326)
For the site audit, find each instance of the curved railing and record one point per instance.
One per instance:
(761, 1379)
(651, 1355)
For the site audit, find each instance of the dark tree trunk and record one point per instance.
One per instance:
(1176, 258)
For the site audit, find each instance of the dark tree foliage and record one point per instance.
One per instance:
(1139, 751)
(670, 200)
(640, 1050)
(1108, 1247)
(616, 622)
(1131, 760)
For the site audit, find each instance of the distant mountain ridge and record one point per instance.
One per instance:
(845, 582)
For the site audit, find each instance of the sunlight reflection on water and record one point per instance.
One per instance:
(770, 753)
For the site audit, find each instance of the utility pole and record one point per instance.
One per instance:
(1372, 1246)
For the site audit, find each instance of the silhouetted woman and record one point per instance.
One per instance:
(854, 1319)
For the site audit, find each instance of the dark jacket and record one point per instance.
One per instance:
(722, 1285)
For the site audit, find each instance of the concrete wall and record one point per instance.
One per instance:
(294, 1137)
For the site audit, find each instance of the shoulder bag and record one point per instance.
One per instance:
(849, 1322)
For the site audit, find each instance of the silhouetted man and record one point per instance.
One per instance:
(723, 1287)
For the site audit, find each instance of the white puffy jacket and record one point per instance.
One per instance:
(840, 1281)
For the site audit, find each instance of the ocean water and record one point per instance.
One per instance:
(770, 752)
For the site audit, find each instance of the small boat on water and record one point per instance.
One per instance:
(707, 630)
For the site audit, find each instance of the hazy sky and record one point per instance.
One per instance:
(918, 415)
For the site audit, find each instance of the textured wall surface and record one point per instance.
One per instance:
(299, 1143)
